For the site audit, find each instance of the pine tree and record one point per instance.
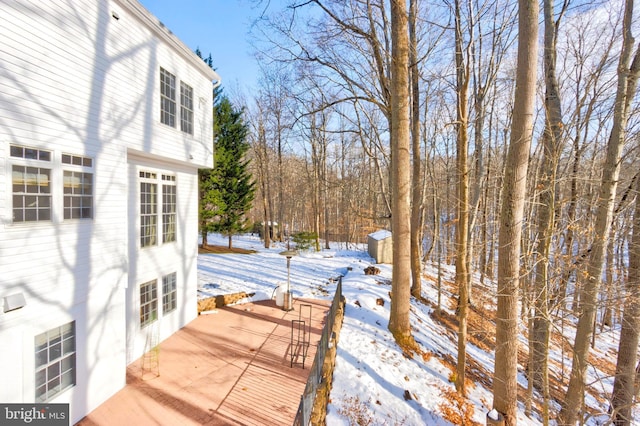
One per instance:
(207, 198)
(228, 190)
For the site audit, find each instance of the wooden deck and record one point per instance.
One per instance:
(232, 367)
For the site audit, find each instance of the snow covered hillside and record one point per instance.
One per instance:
(374, 383)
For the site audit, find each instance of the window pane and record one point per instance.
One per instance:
(68, 379)
(55, 351)
(53, 370)
(16, 151)
(68, 363)
(18, 201)
(42, 357)
(54, 386)
(41, 393)
(30, 215)
(68, 346)
(41, 341)
(41, 377)
(18, 215)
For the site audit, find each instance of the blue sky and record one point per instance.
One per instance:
(219, 27)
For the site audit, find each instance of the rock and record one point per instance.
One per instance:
(371, 270)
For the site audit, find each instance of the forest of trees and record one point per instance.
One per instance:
(499, 136)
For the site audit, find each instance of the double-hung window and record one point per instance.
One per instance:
(168, 208)
(148, 209)
(55, 352)
(186, 108)
(158, 208)
(169, 293)
(78, 187)
(31, 183)
(148, 302)
(167, 98)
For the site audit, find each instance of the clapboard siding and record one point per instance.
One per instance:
(74, 80)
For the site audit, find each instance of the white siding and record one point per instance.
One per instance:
(154, 262)
(75, 80)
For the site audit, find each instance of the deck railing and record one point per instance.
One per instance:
(303, 416)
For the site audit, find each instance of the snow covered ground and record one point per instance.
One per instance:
(374, 383)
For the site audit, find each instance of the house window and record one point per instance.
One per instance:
(31, 183)
(186, 108)
(153, 221)
(169, 293)
(78, 187)
(55, 361)
(167, 98)
(148, 303)
(168, 208)
(148, 209)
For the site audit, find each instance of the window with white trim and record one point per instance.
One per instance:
(167, 98)
(168, 102)
(186, 108)
(78, 186)
(168, 208)
(158, 216)
(55, 353)
(31, 184)
(148, 303)
(148, 209)
(169, 293)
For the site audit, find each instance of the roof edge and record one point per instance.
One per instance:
(162, 31)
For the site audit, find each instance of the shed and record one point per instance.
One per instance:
(380, 246)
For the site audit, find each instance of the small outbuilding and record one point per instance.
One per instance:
(380, 246)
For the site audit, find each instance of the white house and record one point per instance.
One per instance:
(105, 117)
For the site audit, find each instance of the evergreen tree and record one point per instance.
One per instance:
(207, 200)
(227, 191)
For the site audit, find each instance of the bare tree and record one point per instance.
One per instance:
(546, 206)
(399, 324)
(462, 224)
(623, 385)
(628, 72)
(416, 179)
(505, 385)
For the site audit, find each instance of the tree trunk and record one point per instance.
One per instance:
(623, 385)
(399, 324)
(416, 185)
(280, 219)
(505, 385)
(264, 183)
(545, 214)
(627, 82)
(462, 226)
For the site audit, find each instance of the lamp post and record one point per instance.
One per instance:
(288, 297)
